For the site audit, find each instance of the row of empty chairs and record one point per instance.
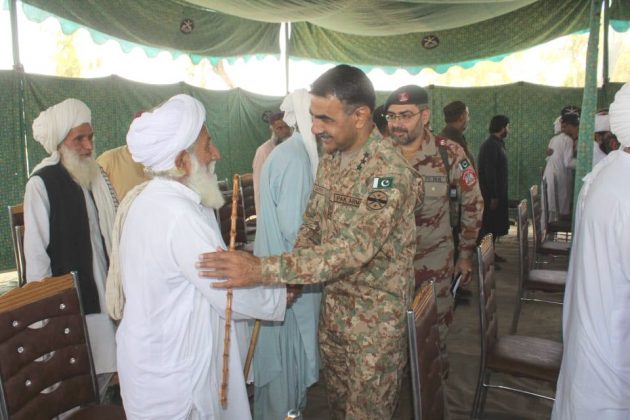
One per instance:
(46, 365)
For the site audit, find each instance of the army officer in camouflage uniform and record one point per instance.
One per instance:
(448, 175)
(357, 239)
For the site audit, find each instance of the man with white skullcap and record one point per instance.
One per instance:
(561, 164)
(68, 214)
(171, 334)
(594, 381)
(280, 131)
(286, 361)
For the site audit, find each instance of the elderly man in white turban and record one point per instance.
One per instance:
(594, 381)
(171, 336)
(286, 361)
(68, 214)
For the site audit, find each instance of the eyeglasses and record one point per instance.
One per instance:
(404, 117)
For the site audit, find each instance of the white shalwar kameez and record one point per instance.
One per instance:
(558, 175)
(170, 339)
(594, 381)
(101, 328)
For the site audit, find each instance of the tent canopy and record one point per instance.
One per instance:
(364, 32)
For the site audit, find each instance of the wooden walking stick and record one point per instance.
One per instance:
(228, 306)
(251, 348)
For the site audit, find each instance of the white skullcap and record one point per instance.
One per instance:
(155, 138)
(51, 127)
(619, 114)
(557, 125)
(296, 108)
(602, 123)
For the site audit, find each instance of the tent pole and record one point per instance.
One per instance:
(287, 28)
(589, 102)
(606, 70)
(19, 69)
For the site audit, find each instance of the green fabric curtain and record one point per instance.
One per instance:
(234, 121)
(369, 32)
(524, 28)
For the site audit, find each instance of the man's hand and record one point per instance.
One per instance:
(293, 292)
(464, 266)
(238, 268)
(494, 203)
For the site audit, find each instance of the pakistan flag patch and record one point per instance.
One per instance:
(464, 164)
(383, 182)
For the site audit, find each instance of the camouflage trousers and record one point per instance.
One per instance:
(362, 382)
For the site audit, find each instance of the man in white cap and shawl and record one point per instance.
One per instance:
(280, 131)
(69, 209)
(561, 163)
(594, 381)
(171, 336)
(286, 361)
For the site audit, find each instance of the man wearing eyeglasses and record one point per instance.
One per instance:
(448, 176)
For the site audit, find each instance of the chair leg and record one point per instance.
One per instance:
(517, 311)
(484, 393)
(476, 401)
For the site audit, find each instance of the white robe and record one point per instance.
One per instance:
(170, 339)
(558, 174)
(101, 328)
(594, 381)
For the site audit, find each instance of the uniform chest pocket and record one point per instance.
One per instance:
(343, 208)
(435, 189)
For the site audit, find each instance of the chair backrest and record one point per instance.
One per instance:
(488, 323)
(247, 195)
(522, 230)
(46, 365)
(424, 351)
(16, 223)
(539, 231)
(544, 202)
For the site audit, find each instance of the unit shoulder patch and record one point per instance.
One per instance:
(377, 200)
(468, 178)
(464, 164)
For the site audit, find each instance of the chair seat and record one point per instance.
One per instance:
(99, 412)
(553, 247)
(547, 280)
(559, 226)
(532, 357)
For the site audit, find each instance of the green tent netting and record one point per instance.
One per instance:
(234, 120)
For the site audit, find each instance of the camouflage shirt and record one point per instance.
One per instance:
(434, 238)
(358, 238)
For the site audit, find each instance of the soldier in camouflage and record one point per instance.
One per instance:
(451, 195)
(358, 239)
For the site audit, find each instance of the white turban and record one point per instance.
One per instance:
(52, 126)
(619, 114)
(156, 138)
(296, 108)
(602, 123)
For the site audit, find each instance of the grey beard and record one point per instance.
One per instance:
(204, 182)
(83, 170)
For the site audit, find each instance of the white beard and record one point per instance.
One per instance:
(204, 182)
(83, 170)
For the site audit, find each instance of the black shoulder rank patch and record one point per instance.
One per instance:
(376, 200)
(383, 182)
(319, 189)
(464, 164)
(346, 200)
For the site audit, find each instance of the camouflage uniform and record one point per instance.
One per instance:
(434, 237)
(358, 238)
